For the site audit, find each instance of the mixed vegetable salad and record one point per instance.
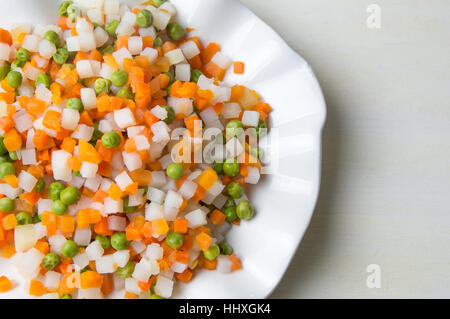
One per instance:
(91, 198)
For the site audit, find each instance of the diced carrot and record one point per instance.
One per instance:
(12, 180)
(68, 144)
(8, 251)
(185, 276)
(80, 56)
(5, 37)
(102, 228)
(209, 52)
(6, 123)
(66, 223)
(51, 120)
(74, 163)
(238, 67)
(88, 153)
(130, 146)
(169, 46)
(110, 61)
(5, 284)
(83, 218)
(91, 279)
(37, 288)
(122, 42)
(12, 140)
(147, 42)
(107, 285)
(130, 295)
(217, 217)
(115, 192)
(208, 264)
(180, 226)
(207, 178)
(213, 70)
(203, 241)
(9, 222)
(199, 194)
(42, 246)
(104, 169)
(159, 227)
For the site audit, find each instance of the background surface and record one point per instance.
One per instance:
(385, 186)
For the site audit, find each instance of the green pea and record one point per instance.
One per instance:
(155, 296)
(225, 249)
(43, 78)
(13, 156)
(128, 209)
(73, 12)
(96, 135)
(7, 169)
(74, 104)
(36, 219)
(158, 3)
(157, 42)
(218, 167)
(23, 55)
(111, 27)
(119, 78)
(229, 203)
(107, 49)
(111, 140)
(244, 210)
(61, 56)
(234, 128)
(62, 10)
(4, 70)
(174, 240)
(256, 152)
(125, 94)
(55, 190)
(59, 208)
(14, 79)
(231, 167)
(195, 75)
(23, 218)
(144, 18)
(175, 31)
(40, 185)
(104, 241)
(51, 261)
(212, 252)
(102, 85)
(6, 205)
(126, 271)
(119, 241)
(170, 114)
(70, 195)
(235, 190)
(3, 149)
(66, 296)
(53, 37)
(17, 64)
(230, 212)
(261, 130)
(69, 249)
(175, 170)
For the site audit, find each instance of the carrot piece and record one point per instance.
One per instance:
(83, 218)
(12, 140)
(5, 37)
(160, 227)
(182, 257)
(9, 222)
(115, 192)
(238, 67)
(104, 169)
(74, 163)
(203, 241)
(122, 42)
(145, 286)
(217, 217)
(12, 180)
(80, 56)
(37, 288)
(8, 251)
(147, 42)
(99, 196)
(51, 120)
(131, 189)
(107, 286)
(130, 295)
(209, 265)
(185, 276)
(6, 123)
(207, 178)
(102, 228)
(199, 194)
(133, 233)
(42, 246)
(169, 46)
(5, 284)
(130, 146)
(111, 61)
(95, 55)
(88, 153)
(146, 230)
(91, 279)
(180, 226)
(66, 223)
(209, 52)
(68, 144)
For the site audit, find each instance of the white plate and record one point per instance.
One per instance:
(284, 201)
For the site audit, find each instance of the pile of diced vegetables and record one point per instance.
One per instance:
(91, 201)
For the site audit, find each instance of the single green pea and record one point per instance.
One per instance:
(170, 114)
(234, 128)
(13, 156)
(102, 85)
(125, 94)
(235, 190)
(14, 79)
(53, 37)
(157, 42)
(36, 219)
(70, 195)
(174, 240)
(59, 208)
(40, 185)
(111, 27)
(126, 271)
(104, 241)
(158, 3)
(155, 296)
(128, 209)
(111, 140)
(23, 55)
(96, 135)
(43, 78)
(6, 205)
(7, 169)
(119, 78)
(4, 70)
(256, 152)
(55, 190)
(23, 218)
(17, 64)
(231, 167)
(61, 56)
(212, 252)
(218, 167)
(244, 210)
(225, 249)
(3, 149)
(69, 249)
(73, 12)
(62, 10)
(195, 75)
(175, 170)
(175, 31)
(119, 241)
(51, 261)
(144, 18)
(261, 130)
(230, 212)
(229, 203)
(107, 49)
(66, 296)
(74, 104)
